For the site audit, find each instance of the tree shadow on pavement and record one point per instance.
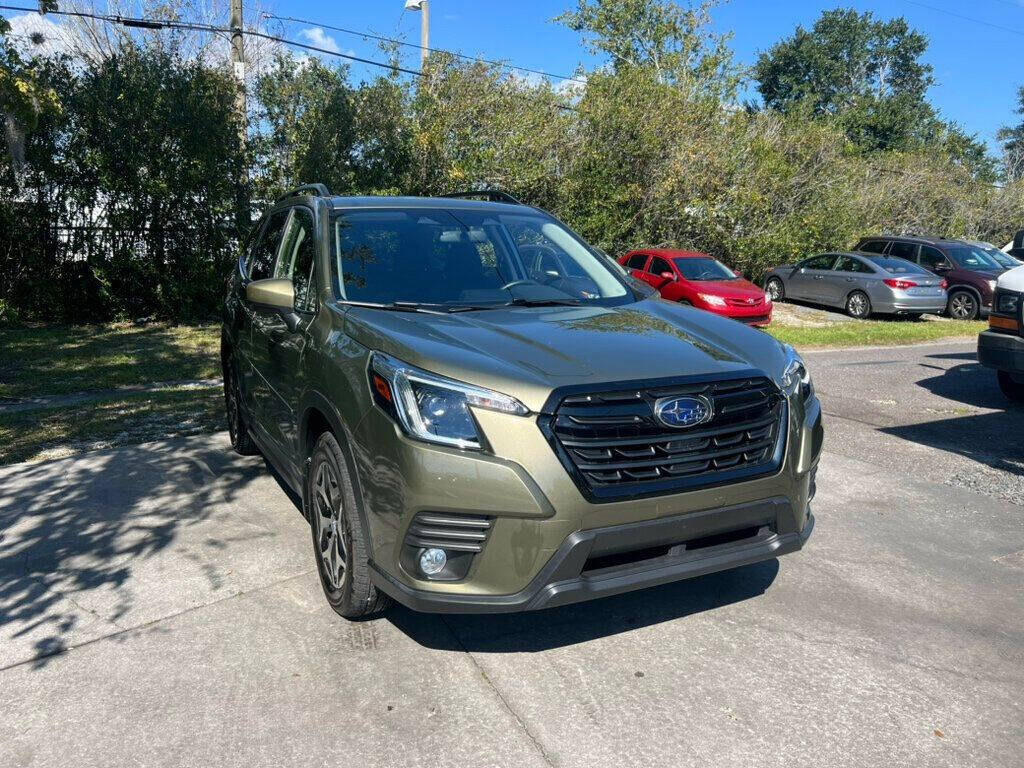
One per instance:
(81, 525)
(568, 625)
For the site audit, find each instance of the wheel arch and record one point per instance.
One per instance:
(968, 288)
(318, 416)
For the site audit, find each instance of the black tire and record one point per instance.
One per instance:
(241, 440)
(330, 498)
(775, 289)
(1014, 390)
(858, 305)
(963, 305)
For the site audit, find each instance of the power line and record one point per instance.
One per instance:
(155, 24)
(398, 41)
(956, 15)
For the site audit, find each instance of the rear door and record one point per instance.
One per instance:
(277, 352)
(904, 250)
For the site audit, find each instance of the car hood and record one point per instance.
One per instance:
(528, 351)
(730, 289)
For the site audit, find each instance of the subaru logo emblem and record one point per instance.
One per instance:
(683, 412)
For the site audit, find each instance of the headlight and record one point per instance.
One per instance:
(991, 285)
(796, 377)
(714, 301)
(431, 407)
(1006, 303)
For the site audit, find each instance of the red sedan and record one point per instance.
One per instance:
(700, 281)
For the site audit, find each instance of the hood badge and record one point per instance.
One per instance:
(682, 412)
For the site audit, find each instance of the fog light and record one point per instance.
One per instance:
(433, 561)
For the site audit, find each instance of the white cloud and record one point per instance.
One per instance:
(55, 38)
(316, 36)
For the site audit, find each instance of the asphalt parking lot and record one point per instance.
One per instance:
(159, 606)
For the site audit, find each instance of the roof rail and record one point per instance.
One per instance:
(314, 190)
(491, 195)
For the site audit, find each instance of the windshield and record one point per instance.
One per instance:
(1002, 259)
(972, 257)
(465, 257)
(898, 266)
(704, 268)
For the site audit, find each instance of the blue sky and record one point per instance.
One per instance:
(977, 67)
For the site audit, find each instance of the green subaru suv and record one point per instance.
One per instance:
(480, 412)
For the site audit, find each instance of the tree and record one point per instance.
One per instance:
(1012, 140)
(678, 44)
(866, 72)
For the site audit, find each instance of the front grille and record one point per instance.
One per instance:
(614, 446)
(451, 532)
(744, 303)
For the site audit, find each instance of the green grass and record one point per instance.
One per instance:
(126, 420)
(53, 361)
(874, 332)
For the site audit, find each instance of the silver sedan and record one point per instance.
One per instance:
(860, 283)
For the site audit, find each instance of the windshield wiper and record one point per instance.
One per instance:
(397, 306)
(516, 303)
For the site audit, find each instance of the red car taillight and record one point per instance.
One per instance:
(900, 285)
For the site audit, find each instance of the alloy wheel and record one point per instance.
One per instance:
(774, 289)
(331, 525)
(857, 305)
(963, 306)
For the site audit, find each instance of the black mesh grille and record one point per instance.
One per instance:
(614, 445)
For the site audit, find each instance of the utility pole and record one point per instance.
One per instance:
(243, 215)
(238, 63)
(423, 6)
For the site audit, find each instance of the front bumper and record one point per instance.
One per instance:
(534, 509)
(608, 561)
(759, 315)
(1002, 351)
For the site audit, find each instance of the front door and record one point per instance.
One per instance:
(806, 280)
(277, 352)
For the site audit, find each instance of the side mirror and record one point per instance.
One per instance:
(274, 295)
(666, 278)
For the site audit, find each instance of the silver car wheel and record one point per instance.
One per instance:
(857, 305)
(963, 306)
(331, 525)
(774, 289)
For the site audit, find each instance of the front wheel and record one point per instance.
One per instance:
(1013, 389)
(963, 305)
(858, 305)
(775, 289)
(339, 541)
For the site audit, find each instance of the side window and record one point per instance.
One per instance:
(636, 261)
(260, 264)
(297, 256)
(850, 264)
(659, 265)
(906, 251)
(824, 261)
(932, 258)
(873, 246)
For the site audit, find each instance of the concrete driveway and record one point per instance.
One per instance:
(158, 607)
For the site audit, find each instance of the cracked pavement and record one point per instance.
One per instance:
(159, 607)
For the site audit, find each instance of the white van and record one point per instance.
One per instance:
(1002, 345)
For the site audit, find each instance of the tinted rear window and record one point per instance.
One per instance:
(898, 266)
